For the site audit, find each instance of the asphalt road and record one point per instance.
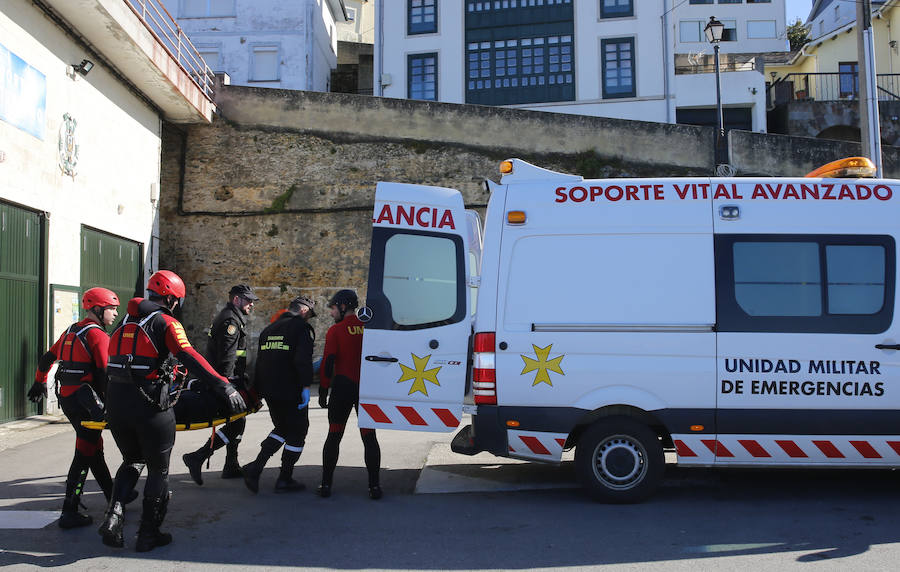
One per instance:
(458, 513)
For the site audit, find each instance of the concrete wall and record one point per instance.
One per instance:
(278, 192)
(312, 160)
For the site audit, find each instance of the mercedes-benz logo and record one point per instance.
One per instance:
(364, 314)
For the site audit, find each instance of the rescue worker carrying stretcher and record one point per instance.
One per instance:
(82, 353)
(340, 372)
(227, 353)
(284, 373)
(138, 408)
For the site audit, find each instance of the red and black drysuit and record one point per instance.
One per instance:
(339, 374)
(82, 353)
(138, 411)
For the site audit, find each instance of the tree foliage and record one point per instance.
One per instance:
(797, 35)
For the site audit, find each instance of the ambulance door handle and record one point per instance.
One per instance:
(379, 358)
(887, 346)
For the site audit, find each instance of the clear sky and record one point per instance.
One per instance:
(797, 9)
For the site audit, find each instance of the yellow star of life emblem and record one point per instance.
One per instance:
(419, 375)
(542, 365)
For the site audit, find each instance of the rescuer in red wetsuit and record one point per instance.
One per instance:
(138, 409)
(82, 353)
(339, 373)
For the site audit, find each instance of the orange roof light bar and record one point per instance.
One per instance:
(506, 167)
(845, 168)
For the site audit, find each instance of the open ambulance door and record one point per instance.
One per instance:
(417, 320)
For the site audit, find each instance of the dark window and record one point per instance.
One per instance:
(812, 283)
(422, 73)
(730, 1)
(618, 67)
(421, 16)
(701, 1)
(616, 8)
(416, 280)
(848, 72)
(519, 51)
(759, 1)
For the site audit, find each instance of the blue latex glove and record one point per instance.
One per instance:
(304, 396)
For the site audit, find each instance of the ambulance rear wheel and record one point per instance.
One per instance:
(619, 460)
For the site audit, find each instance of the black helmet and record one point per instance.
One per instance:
(346, 297)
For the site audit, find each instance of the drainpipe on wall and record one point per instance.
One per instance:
(379, 47)
(668, 62)
(310, 56)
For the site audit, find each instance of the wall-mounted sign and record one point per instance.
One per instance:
(23, 94)
(68, 147)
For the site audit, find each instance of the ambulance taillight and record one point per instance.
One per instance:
(484, 372)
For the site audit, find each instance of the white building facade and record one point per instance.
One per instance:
(84, 90)
(608, 58)
(265, 43)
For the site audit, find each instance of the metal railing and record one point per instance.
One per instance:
(828, 87)
(172, 38)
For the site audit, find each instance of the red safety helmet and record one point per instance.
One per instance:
(165, 282)
(99, 297)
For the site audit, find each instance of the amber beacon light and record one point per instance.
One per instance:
(506, 167)
(845, 168)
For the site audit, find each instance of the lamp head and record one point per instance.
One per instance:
(714, 30)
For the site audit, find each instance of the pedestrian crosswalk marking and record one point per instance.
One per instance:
(26, 519)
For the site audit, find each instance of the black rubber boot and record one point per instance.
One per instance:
(375, 492)
(149, 536)
(324, 491)
(194, 462)
(251, 472)
(70, 517)
(232, 469)
(123, 492)
(113, 524)
(286, 482)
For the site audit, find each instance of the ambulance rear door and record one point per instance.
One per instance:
(417, 319)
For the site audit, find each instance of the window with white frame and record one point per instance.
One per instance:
(729, 33)
(690, 31)
(351, 14)
(760, 29)
(207, 8)
(264, 63)
(212, 56)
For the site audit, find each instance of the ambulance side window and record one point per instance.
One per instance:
(417, 280)
(804, 283)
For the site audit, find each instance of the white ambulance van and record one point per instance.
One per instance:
(732, 322)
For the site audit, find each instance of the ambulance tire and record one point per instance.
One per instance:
(619, 460)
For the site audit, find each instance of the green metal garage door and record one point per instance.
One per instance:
(111, 262)
(21, 233)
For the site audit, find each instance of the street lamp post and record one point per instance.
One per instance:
(713, 31)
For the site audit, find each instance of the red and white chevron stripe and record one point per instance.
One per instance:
(536, 445)
(407, 416)
(762, 450)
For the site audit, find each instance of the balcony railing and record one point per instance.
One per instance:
(171, 37)
(828, 87)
